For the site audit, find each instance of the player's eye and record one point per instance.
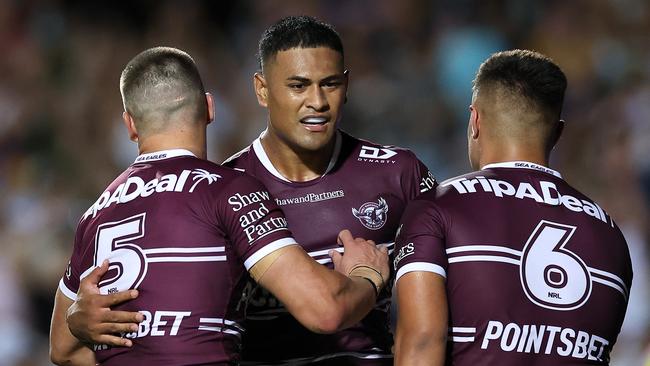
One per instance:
(297, 86)
(332, 84)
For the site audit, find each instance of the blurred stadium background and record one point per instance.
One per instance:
(411, 64)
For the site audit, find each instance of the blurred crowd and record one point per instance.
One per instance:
(411, 65)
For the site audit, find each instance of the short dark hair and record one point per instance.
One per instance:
(160, 81)
(525, 73)
(297, 31)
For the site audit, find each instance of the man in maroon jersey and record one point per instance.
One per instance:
(324, 180)
(510, 265)
(184, 232)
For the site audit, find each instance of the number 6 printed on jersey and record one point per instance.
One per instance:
(552, 276)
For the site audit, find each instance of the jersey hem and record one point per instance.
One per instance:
(268, 249)
(66, 291)
(420, 267)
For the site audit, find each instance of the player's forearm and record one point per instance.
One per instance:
(356, 299)
(65, 349)
(419, 348)
(334, 302)
(77, 356)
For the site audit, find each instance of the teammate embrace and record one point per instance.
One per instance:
(212, 251)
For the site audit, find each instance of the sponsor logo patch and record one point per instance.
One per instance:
(372, 215)
(376, 155)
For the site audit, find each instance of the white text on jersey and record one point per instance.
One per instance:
(546, 192)
(135, 187)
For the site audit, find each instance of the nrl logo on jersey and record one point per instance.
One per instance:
(372, 214)
(136, 187)
(371, 154)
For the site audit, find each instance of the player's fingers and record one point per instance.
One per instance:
(336, 257)
(383, 250)
(371, 242)
(116, 341)
(95, 275)
(124, 317)
(115, 328)
(118, 297)
(345, 236)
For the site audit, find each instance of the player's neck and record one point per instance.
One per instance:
(297, 165)
(159, 142)
(499, 153)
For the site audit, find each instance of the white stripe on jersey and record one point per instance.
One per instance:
(463, 330)
(390, 246)
(462, 339)
(420, 266)
(220, 330)
(483, 258)
(66, 291)
(268, 249)
(184, 250)
(483, 248)
(612, 276)
(221, 321)
(219, 258)
(618, 283)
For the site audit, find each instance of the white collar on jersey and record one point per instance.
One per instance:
(266, 162)
(162, 154)
(523, 165)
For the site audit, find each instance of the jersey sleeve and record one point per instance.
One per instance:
(420, 245)
(69, 283)
(417, 178)
(253, 222)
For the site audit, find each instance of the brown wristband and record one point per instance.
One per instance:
(370, 274)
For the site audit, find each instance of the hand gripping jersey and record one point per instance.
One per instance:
(183, 231)
(365, 189)
(537, 273)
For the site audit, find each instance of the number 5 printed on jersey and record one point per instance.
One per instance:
(127, 261)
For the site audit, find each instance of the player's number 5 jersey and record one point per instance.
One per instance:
(183, 231)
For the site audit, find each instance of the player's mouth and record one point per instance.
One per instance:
(315, 123)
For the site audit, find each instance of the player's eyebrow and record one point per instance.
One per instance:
(335, 77)
(302, 79)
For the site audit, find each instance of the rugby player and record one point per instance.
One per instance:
(323, 179)
(184, 232)
(510, 265)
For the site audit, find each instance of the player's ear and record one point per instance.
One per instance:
(211, 112)
(261, 89)
(474, 122)
(130, 126)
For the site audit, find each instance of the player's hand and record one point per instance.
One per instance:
(91, 319)
(358, 251)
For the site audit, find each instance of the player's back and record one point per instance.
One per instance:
(537, 273)
(166, 224)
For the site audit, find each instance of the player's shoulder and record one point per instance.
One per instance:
(227, 174)
(368, 152)
(240, 160)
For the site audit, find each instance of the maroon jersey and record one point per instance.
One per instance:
(365, 189)
(536, 272)
(183, 231)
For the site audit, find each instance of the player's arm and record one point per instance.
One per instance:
(324, 300)
(65, 349)
(421, 335)
(90, 319)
